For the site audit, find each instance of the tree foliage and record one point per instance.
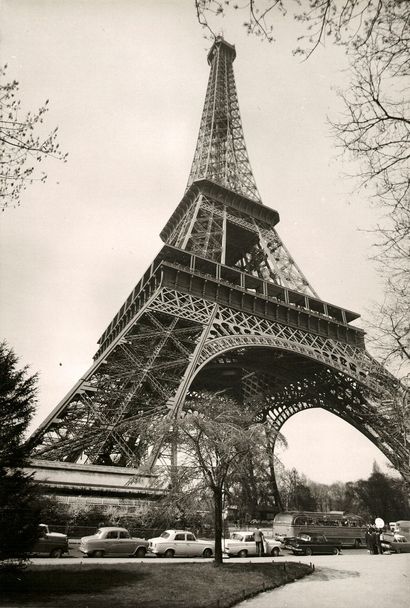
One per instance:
(23, 144)
(252, 487)
(19, 508)
(216, 434)
(378, 496)
(296, 492)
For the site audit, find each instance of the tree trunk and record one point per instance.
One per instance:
(218, 523)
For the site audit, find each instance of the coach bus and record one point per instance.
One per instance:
(346, 528)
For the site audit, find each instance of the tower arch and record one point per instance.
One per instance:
(223, 286)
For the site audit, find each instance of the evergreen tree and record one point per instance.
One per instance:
(19, 507)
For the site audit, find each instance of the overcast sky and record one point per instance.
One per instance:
(126, 81)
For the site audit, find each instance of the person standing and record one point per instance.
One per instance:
(374, 542)
(258, 534)
(368, 538)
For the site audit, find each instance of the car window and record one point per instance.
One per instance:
(124, 534)
(165, 535)
(112, 534)
(190, 537)
(250, 538)
(179, 536)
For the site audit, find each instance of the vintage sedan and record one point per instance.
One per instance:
(52, 544)
(242, 544)
(113, 541)
(396, 543)
(309, 544)
(180, 543)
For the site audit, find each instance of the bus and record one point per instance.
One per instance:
(346, 528)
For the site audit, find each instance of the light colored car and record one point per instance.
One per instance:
(180, 543)
(49, 543)
(242, 543)
(113, 541)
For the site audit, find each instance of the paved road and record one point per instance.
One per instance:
(359, 581)
(75, 556)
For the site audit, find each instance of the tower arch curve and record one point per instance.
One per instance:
(223, 301)
(288, 379)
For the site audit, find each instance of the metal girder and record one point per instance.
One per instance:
(208, 230)
(220, 153)
(223, 307)
(132, 385)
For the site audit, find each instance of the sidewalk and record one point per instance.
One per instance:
(359, 581)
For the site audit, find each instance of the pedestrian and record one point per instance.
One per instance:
(368, 538)
(374, 542)
(258, 535)
(378, 542)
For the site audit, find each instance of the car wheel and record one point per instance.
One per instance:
(169, 553)
(308, 551)
(207, 553)
(335, 551)
(56, 553)
(275, 551)
(140, 552)
(98, 554)
(243, 553)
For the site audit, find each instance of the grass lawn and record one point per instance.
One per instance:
(150, 585)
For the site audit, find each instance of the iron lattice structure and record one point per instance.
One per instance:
(223, 306)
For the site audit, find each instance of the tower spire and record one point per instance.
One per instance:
(222, 307)
(220, 154)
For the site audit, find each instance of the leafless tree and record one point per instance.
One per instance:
(22, 144)
(346, 21)
(375, 131)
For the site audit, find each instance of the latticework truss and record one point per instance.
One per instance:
(178, 341)
(223, 307)
(213, 229)
(220, 154)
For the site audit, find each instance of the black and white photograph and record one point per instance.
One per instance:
(204, 312)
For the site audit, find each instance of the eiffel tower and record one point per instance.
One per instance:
(222, 307)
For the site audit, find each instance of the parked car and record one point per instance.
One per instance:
(180, 543)
(52, 544)
(242, 543)
(113, 541)
(396, 543)
(308, 544)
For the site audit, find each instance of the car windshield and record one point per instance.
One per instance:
(99, 532)
(165, 535)
(304, 537)
(236, 536)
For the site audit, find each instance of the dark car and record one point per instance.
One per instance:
(394, 543)
(49, 543)
(308, 544)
